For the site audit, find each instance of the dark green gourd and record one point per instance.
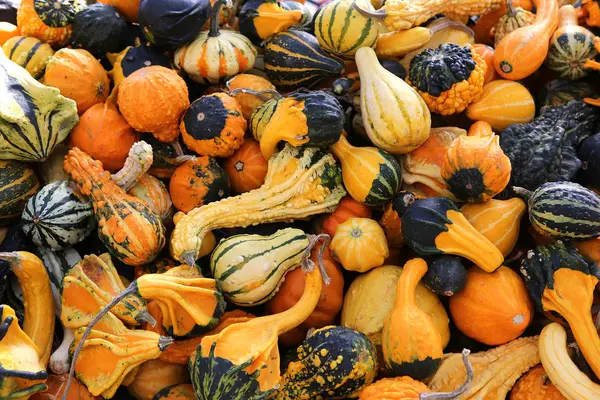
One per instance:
(100, 29)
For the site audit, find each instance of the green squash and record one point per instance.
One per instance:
(18, 183)
(58, 16)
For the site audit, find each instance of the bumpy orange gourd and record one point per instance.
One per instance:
(30, 23)
(400, 388)
(247, 167)
(359, 244)
(535, 385)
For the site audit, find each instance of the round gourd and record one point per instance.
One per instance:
(213, 125)
(261, 19)
(57, 217)
(487, 54)
(18, 183)
(535, 385)
(133, 58)
(79, 76)
(391, 220)
(127, 8)
(493, 308)
(48, 20)
(99, 29)
(177, 392)
(446, 275)
(249, 102)
(503, 103)
(347, 208)
(155, 194)
(359, 244)
(196, 183)
(30, 53)
(103, 133)
(589, 154)
(56, 388)
(155, 375)
(400, 387)
(515, 18)
(246, 168)
(8, 31)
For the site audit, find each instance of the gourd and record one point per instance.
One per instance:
(38, 323)
(435, 226)
(535, 384)
(391, 219)
(21, 371)
(484, 26)
(127, 8)
(294, 59)
(56, 217)
(515, 18)
(588, 154)
(497, 220)
(564, 374)
(494, 371)
(475, 168)
(333, 361)
(197, 183)
(216, 54)
(396, 132)
(380, 174)
(166, 157)
(171, 24)
(99, 29)
(126, 226)
(448, 87)
(18, 183)
(341, 30)
(410, 342)
(487, 54)
(493, 308)
(152, 99)
(56, 388)
(8, 31)
(155, 194)
(592, 9)
(155, 375)
(29, 53)
(259, 20)
(560, 91)
(138, 161)
(308, 180)
(446, 275)
(31, 129)
(177, 392)
(503, 103)
(571, 45)
(347, 208)
(560, 280)
(51, 23)
(213, 125)
(246, 168)
(314, 119)
(132, 59)
(241, 87)
(359, 244)
(522, 52)
(563, 210)
(262, 116)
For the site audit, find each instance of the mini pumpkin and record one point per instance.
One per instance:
(359, 244)
(515, 18)
(246, 168)
(249, 101)
(48, 20)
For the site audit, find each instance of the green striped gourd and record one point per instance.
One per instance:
(30, 53)
(18, 183)
(262, 115)
(342, 30)
(563, 210)
(249, 268)
(58, 217)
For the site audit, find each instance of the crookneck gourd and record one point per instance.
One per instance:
(261, 19)
(435, 225)
(138, 162)
(299, 183)
(126, 225)
(561, 281)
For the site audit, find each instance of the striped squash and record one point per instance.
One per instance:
(563, 210)
(30, 53)
(18, 183)
(249, 268)
(57, 217)
(293, 59)
(262, 115)
(342, 30)
(155, 194)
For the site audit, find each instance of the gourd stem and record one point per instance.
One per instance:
(379, 14)
(185, 158)
(510, 9)
(307, 264)
(522, 192)
(177, 147)
(214, 19)
(461, 389)
(448, 23)
(145, 317)
(260, 94)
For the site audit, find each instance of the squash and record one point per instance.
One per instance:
(132, 59)
(56, 389)
(359, 244)
(410, 342)
(435, 226)
(57, 217)
(335, 361)
(341, 30)
(259, 20)
(535, 385)
(485, 24)
(155, 375)
(446, 275)
(308, 180)
(155, 194)
(246, 168)
(127, 8)
(261, 117)
(522, 52)
(590, 162)
(347, 208)
(487, 54)
(170, 24)
(515, 18)
(391, 221)
(18, 183)
(31, 129)
(29, 53)
(198, 182)
(503, 103)
(380, 174)
(592, 11)
(158, 266)
(50, 22)
(216, 54)
(241, 87)
(177, 392)
(152, 99)
(450, 85)
(492, 308)
(475, 168)
(166, 157)
(571, 45)
(396, 132)
(294, 59)
(8, 31)
(138, 161)
(133, 234)
(213, 125)
(22, 373)
(560, 91)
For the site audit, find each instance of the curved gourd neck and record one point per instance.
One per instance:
(410, 277)
(547, 11)
(567, 17)
(342, 148)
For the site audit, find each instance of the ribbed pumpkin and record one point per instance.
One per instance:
(155, 375)
(401, 387)
(155, 194)
(503, 103)
(30, 53)
(515, 18)
(246, 168)
(493, 308)
(347, 208)
(359, 244)
(248, 101)
(18, 183)
(127, 8)
(47, 20)
(535, 385)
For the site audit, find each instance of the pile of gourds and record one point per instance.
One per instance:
(251, 199)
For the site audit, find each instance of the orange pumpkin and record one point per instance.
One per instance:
(127, 8)
(7, 31)
(493, 308)
(103, 133)
(487, 53)
(155, 375)
(535, 385)
(79, 76)
(249, 102)
(328, 307)
(347, 208)
(246, 168)
(56, 388)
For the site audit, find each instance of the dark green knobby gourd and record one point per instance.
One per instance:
(57, 16)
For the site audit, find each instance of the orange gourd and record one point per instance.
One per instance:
(522, 52)
(239, 86)
(56, 388)
(177, 392)
(535, 385)
(487, 53)
(493, 308)
(359, 244)
(127, 8)
(155, 375)
(246, 168)
(7, 31)
(49, 21)
(589, 248)
(347, 208)
(486, 22)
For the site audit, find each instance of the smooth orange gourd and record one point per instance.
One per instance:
(348, 208)
(487, 53)
(7, 31)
